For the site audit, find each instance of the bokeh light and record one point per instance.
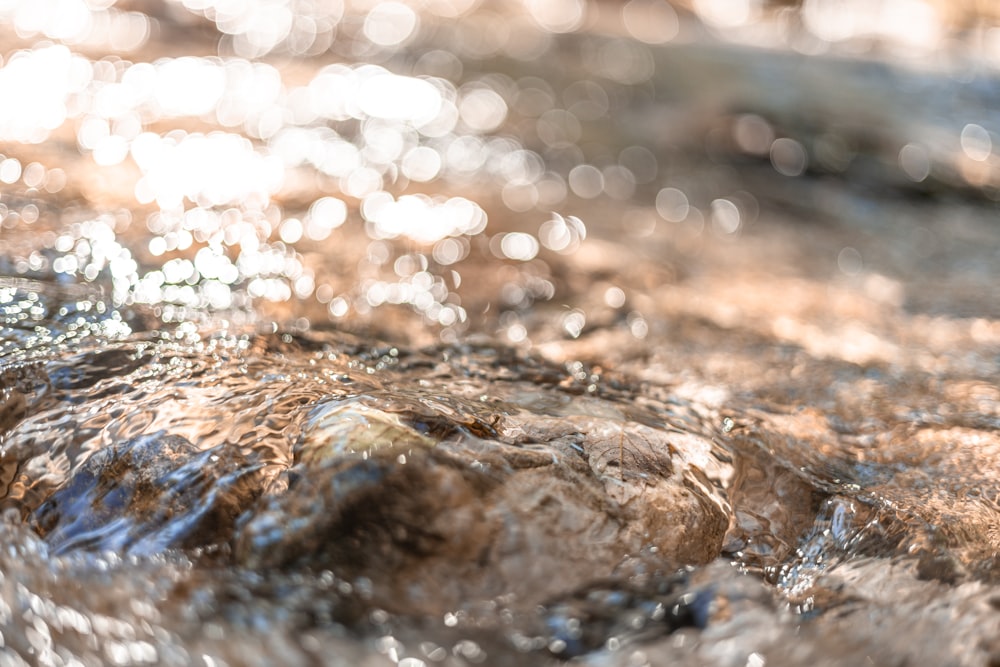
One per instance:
(40, 109)
(651, 21)
(390, 23)
(303, 124)
(78, 23)
(558, 15)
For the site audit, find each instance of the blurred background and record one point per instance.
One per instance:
(524, 168)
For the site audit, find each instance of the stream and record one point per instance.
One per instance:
(534, 332)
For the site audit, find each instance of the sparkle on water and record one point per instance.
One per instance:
(216, 150)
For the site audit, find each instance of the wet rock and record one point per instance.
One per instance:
(151, 493)
(13, 407)
(21, 386)
(773, 507)
(612, 613)
(546, 506)
(918, 490)
(83, 371)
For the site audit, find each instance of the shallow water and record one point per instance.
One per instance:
(498, 334)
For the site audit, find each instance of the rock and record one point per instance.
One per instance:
(148, 494)
(535, 512)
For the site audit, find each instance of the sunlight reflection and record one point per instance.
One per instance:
(672, 204)
(379, 93)
(10, 170)
(557, 15)
(915, 162)
(518, 246)
(33, 111)
(586, 181)
(726, 13)
(913, 23)
(788, 156)
(725, 216)
(562, 235)
(650, 21)
(186, 86)
(422, 218)
(481, 108)
(210, 170)
(976, 142)
(77, 22)
(246, 169)
(390, 23)
(258, 27)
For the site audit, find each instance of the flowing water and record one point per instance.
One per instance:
(448, 333)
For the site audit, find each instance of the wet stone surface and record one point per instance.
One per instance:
(400, 500)
(147, 495)
(539, 509)
(427, 483)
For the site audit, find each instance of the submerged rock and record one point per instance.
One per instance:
(149, 494)
(537, 510)
(504, 513)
